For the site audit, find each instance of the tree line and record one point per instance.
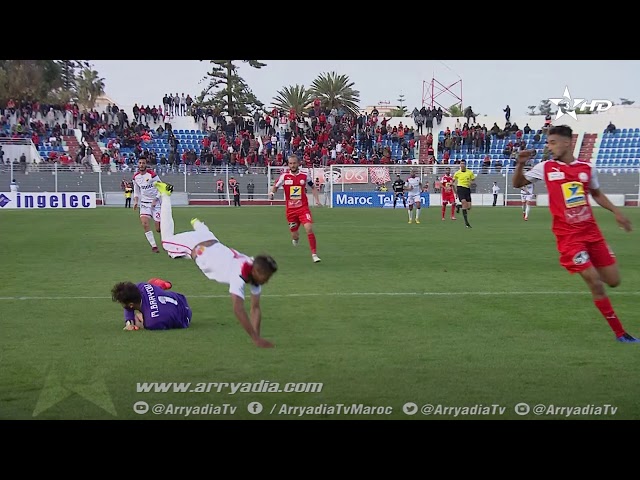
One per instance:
(58, 82)
(227, 91)
(54, 82)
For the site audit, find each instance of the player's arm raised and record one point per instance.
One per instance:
(243, 318)
(519, 180)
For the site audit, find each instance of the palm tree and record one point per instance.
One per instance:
(295, 96)
(90, 87)
(336, 91)
(455, 110)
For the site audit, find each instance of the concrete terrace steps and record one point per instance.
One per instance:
(96, 148)
(422, 147)
(588, 146)
(71, 142)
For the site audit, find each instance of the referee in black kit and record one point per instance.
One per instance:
(398, 191)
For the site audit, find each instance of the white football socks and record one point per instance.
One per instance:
(150, 238)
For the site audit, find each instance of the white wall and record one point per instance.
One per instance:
(12, 152)
(622, 117)
(117, 198)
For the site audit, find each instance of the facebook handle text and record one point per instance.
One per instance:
(344, 409)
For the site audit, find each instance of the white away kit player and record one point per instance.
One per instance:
(413, 186)
(527, 196)
(220, 263)
(146, 194)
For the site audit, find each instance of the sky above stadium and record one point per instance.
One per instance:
(487, 85)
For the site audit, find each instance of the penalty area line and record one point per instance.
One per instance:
(340, 294)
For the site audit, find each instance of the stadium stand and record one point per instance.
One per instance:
(618, 149)
(202, 145)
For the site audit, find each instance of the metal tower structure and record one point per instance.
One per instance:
(436, 94)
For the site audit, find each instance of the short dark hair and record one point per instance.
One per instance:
(126, 292)
(463, 161)
(265, 263)
(562, 130)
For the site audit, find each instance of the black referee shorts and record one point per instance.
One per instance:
(464, 193)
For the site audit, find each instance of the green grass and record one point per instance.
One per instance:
(382, 321)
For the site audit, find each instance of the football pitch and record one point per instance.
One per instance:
(432, 316)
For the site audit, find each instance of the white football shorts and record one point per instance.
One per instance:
(146, 210)
(411, 199)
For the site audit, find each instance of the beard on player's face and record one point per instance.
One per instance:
(559, 151)
(294, 167)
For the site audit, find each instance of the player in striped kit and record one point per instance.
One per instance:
(526, 195)
(146, 194)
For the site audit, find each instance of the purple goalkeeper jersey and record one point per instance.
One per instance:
(161, 309)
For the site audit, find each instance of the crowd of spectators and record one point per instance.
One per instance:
(477, 140)
(175, 105)
(42, 123)
(319, 136)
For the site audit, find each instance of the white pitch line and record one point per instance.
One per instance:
(347, 294)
